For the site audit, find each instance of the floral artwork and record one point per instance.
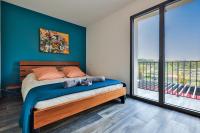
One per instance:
(54, 42)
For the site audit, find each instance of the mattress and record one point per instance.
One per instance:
(30, 82)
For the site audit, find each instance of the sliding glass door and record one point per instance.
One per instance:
(182, 54)
(146, 55)
(165, 55)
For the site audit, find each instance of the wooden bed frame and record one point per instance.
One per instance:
(52, 114)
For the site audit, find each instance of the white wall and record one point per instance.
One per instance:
(108, 42)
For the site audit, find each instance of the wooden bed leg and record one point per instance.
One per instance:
(32, 124)
(123, 98)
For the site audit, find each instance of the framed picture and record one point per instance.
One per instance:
(54, 42)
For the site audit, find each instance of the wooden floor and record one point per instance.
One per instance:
(113, 117)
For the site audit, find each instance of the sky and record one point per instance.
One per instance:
(182, 34)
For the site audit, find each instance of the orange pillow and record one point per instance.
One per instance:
(44, 69)
(47, 73)
(72, 72)
(50, 75)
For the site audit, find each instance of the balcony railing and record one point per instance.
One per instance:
(182, 78)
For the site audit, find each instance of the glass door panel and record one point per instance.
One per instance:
(146, 55)
(182, 54)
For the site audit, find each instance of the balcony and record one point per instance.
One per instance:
(182, 82)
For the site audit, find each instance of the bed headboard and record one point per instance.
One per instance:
(27, 66)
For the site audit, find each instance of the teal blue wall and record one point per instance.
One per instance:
(20, 40)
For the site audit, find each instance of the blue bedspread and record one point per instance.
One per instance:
(52, 91)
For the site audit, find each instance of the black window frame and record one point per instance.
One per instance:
(161, 100)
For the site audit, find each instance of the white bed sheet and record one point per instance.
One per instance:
(30, 82)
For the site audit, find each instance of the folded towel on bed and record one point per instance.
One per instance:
(87, 81)
(77, 82)
(71, 83)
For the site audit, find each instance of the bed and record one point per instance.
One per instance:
(52, 110)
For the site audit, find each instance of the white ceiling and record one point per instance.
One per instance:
(81, 12)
